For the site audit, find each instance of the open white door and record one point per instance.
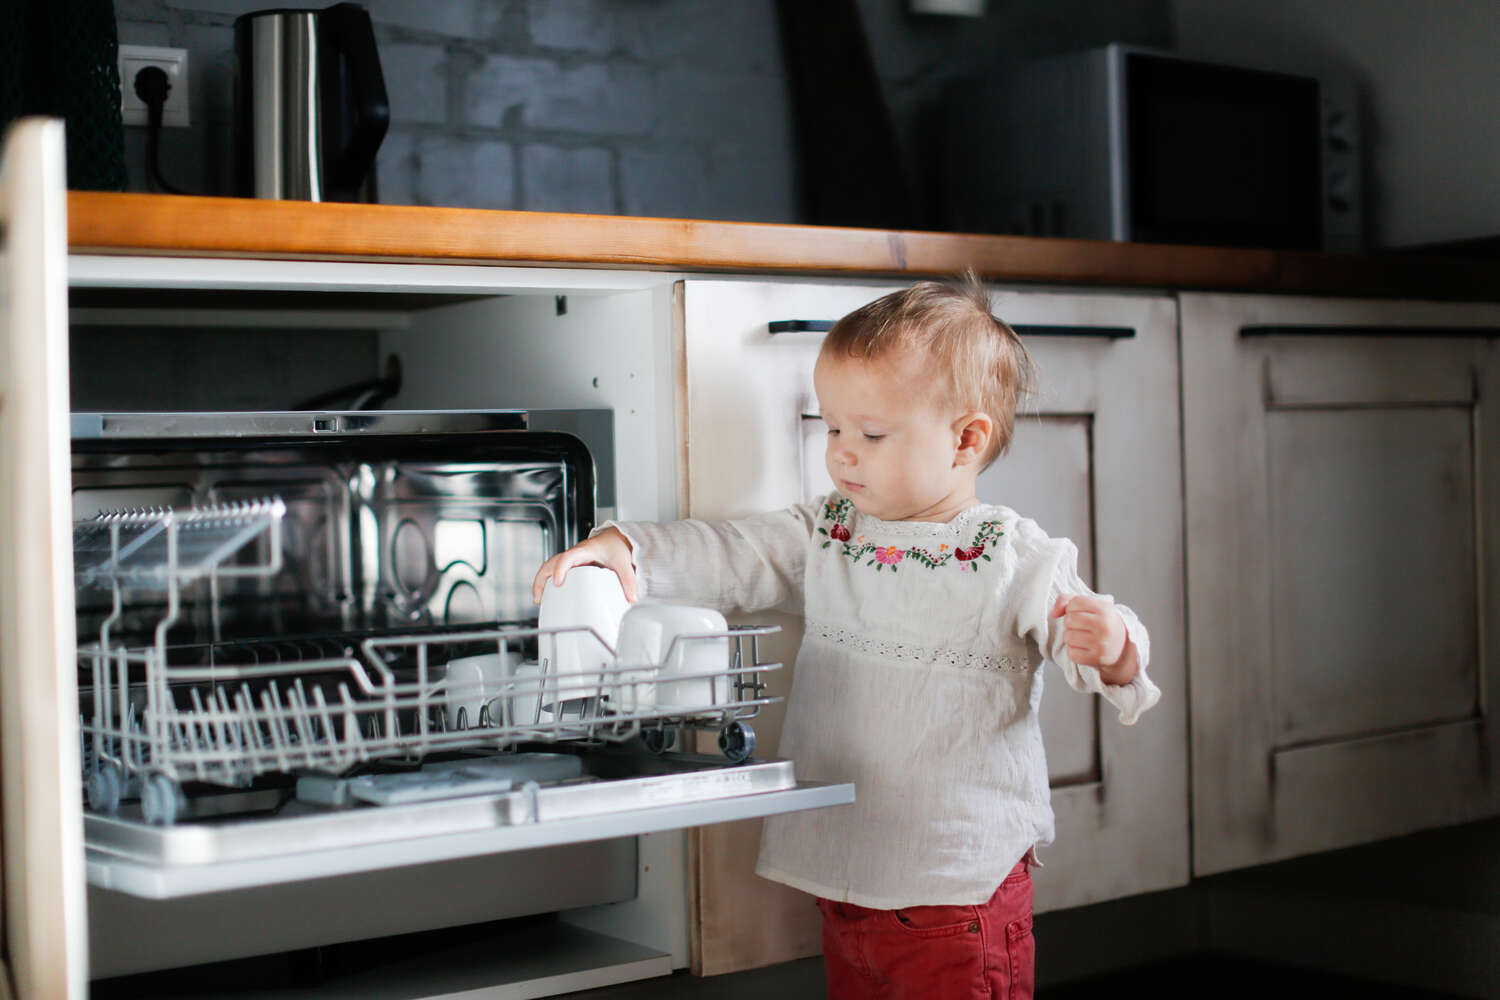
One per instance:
(40, 791)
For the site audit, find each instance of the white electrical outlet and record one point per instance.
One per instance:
(174, 62)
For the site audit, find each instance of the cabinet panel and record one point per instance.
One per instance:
(1373, 522)
(1340, 533)
(44, 921)
(1047, 475)
(1096, 458)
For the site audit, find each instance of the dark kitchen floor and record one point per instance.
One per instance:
(1219, 977)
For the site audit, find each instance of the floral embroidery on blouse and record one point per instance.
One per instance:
(965, 557)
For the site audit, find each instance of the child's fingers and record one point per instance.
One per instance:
(539, 582)
(1086, 623)
(578, 555)
(1086, 656)
(1060, 606)
(556, 570)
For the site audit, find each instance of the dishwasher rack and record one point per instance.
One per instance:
(225, 712)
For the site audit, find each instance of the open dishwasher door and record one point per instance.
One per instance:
(273, 611)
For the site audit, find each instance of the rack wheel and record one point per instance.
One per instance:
(659, 741)
(737, 741)
(162, 800)
(104, 788)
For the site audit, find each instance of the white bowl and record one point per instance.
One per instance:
(590, 598)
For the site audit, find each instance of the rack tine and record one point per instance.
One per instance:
(233, 727)
(200, 733)
(335, 757)
(246, 705)
(351, 724)
(271, 699)
(294, 708)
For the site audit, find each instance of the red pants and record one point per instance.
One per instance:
(983, 952)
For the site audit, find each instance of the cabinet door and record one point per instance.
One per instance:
(1095, 458)
(40, 787)
(1342, 555)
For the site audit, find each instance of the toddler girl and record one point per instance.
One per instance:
(928, 615)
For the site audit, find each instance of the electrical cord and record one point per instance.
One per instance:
(152, 87)
(366, 395)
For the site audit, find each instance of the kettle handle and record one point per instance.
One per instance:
(346, 29)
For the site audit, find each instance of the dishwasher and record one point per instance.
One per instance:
(272, 610)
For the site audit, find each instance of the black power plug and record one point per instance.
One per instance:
(152, 86)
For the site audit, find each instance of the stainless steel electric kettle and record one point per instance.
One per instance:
(310, 104)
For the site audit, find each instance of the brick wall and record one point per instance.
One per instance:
(640, 107)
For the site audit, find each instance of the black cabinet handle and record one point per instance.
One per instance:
(1334, 330)
(800, 325)
(1022, 329)
(1051, 330)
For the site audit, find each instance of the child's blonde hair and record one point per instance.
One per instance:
(977, 358)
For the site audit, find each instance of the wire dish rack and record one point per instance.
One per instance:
(159, 715)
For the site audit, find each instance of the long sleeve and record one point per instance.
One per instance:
(747, 564)
(1057, 576)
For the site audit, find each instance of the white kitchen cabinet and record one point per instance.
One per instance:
(1096, 458)
(1343, 549)
(44, 915)
(470, 337)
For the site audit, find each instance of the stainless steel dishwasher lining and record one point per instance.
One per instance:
(226, 724)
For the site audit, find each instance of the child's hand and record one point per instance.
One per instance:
(1095, 636)
(610, 548)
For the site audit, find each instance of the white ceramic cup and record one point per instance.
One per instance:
(590, 597)
(470, 683)
(657, 640)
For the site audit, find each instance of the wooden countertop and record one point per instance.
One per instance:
(243, 227)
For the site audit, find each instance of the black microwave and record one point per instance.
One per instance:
(1128, 143)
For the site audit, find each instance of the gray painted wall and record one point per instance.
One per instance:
(640, 107)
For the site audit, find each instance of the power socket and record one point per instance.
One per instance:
(174, 62)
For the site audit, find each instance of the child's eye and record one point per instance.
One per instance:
(833, 432)
(873, 437)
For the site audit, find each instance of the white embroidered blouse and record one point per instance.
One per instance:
(918, 679)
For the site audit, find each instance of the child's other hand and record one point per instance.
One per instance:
(1095, 636)
(610, 548)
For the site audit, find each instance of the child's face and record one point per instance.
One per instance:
(891, 448)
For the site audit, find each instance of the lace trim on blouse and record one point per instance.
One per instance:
(891, 649)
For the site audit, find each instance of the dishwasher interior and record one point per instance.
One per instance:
(267, 625)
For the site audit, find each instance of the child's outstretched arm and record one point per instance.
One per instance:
(744, 564)
(609, 548)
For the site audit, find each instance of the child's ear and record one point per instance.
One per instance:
(973, 432)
